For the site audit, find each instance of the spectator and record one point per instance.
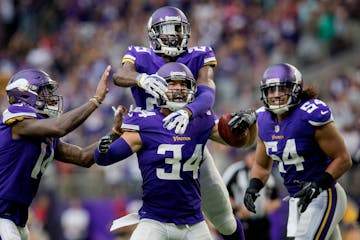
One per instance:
(236, 176)
(75, 221)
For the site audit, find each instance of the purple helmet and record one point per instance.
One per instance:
(169, 31)
(36, 89)
(177, 99)
(281, 77)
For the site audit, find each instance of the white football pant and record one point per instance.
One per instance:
(149, 229)
(215, 197)
(9, 231)
(321, 218)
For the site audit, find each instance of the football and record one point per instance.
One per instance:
(235, 140)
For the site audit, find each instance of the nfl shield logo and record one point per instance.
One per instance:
(277, 128)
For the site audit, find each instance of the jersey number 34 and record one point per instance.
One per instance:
(192, 164)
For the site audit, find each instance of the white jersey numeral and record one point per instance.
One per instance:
(289, 156)
(151, 103)
(41, 163)
(191, 164)
(310, 107)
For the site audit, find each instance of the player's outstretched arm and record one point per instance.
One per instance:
(120, 149)
(73, 154)
(127, 76)
(67, 122)
(84, 157)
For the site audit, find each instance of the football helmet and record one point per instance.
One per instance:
(177, 98)
(169, 31)
(36, 89)
(281, 79)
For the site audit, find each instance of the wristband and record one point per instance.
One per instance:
(95, 101)
(325, 181)
(256, 183)
(139, 77)
(117, 132)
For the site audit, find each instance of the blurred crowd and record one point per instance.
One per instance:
(74, 40)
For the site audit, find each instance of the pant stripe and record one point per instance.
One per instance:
(329, 214)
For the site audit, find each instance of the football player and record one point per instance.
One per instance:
(169, 162)
(297, 132)
(30, 130)
(169, 32)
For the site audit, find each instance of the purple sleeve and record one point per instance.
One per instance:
(210, 59)
(119, 150)
(204, 100)
(129, 55)
(18, 113)
(318, 112)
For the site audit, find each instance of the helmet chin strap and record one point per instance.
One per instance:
(172, 51)
(174, 106)
(279, 109)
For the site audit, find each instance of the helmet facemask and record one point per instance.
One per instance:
(181, 86)
(49, 101)
(281, 86)
(284, 96)
(37, 90)
(179, 97)
(169, 37)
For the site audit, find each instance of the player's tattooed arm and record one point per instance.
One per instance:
(73, 154)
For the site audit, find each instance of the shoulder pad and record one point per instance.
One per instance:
(207, 54)
(133, 51)
(317, 113)
(17, 113)
(135, 119)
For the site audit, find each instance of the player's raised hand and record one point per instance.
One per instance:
(153, 84)
(102, 89)
(119, 113)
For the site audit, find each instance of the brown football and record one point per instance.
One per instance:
(235, 140)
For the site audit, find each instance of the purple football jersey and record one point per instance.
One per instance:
(291, 142)
(169, 165)
(22, 161)
(147, 61)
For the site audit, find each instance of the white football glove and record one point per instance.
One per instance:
(153, 84)
(178, 119)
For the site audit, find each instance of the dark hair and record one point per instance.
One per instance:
(309, 93)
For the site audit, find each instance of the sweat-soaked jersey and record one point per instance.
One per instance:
(169, 165)
(291, 142)
(147, 61)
